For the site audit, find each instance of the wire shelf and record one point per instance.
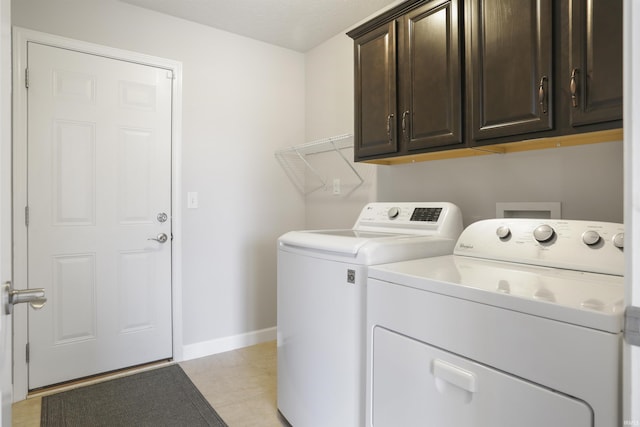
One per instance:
(302, 173)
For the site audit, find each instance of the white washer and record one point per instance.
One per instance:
(322, 276)
(520, 326)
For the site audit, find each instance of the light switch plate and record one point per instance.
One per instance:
(192, 200)
(336, 186)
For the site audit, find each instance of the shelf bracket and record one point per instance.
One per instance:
(313, 171)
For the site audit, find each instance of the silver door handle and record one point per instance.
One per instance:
(35, 297)
(160, 238)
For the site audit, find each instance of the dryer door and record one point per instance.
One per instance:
(415, 384)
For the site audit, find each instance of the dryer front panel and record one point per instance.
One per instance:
(415, 384)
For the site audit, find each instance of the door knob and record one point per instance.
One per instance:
(160, 238)
(10, 296)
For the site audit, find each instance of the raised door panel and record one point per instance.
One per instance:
(596, 61)
(510, 67)
(375, 93)
(430, 76)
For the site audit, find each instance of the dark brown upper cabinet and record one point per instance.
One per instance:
(438, 75)
(509, 67)
(375, 92)
(431, 77)
(408, 81)
(595, 80)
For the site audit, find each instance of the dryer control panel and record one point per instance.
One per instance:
(570, 244)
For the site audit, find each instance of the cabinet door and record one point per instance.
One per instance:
(430, 76)
(595, 83)
(509, 67)
(375, 93)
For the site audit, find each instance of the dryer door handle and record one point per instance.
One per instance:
(455, 375)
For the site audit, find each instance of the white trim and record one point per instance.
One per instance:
(5, 206)
(631, 119)
(220, 345)
(20, 38)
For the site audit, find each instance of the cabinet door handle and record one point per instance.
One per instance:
(389, 118)
(573, 87)
(542, 95)
(404, 122)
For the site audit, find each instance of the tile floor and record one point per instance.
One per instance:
(239, 384)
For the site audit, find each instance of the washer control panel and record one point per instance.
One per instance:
(441, 218)
(577, 245)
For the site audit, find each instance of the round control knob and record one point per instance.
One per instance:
(618, 240)
(543, 233)
(590, 237)
(393, 212)
(503, 232)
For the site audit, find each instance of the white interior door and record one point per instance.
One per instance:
(99, 189)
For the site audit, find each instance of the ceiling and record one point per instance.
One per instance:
(294, 24)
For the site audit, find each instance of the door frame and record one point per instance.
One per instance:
(6, 389)
(631, 60)
(21, 37)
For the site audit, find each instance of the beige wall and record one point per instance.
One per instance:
(329, 105)
(587, 180)
(242, 100)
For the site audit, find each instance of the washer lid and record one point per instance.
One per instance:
(591, 300)
(346, 241)
(383, 233)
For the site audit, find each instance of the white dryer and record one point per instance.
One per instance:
(521, 326)
(322, 277)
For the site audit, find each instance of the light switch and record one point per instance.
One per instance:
(336, 186)
(192, 200)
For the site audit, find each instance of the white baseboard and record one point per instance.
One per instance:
(220, 345)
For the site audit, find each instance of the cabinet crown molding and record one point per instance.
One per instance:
(387, 16)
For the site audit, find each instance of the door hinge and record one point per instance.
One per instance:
(170, 74)
(26, 78)
(26, 216)
(632, 325)
(27, 352)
